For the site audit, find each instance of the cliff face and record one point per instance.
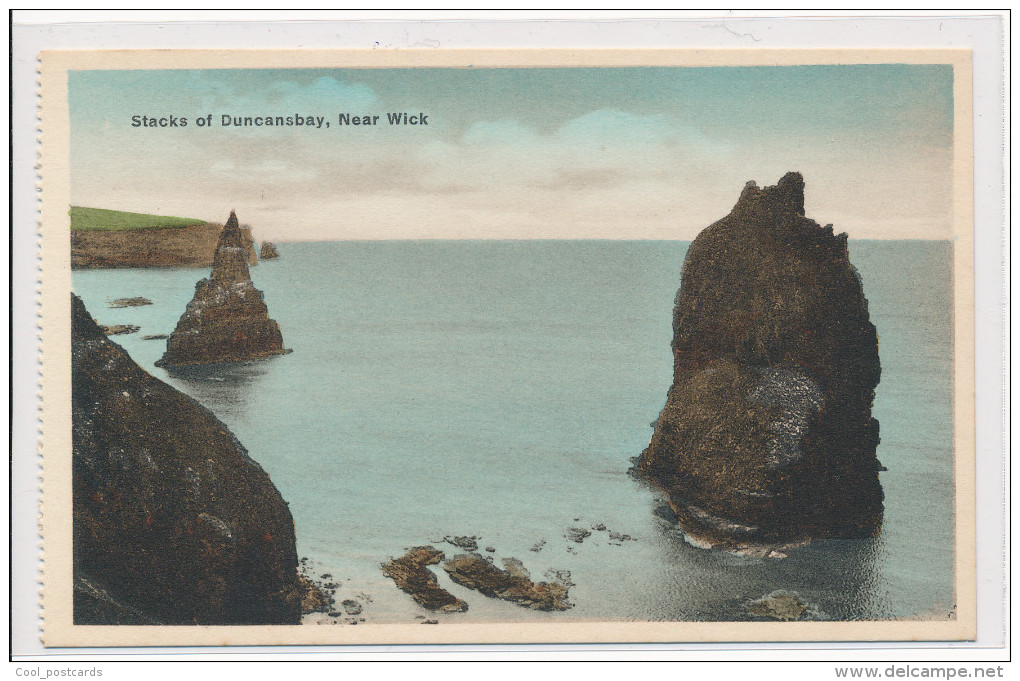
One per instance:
(173, 522)
(227, 320)
(767, 432)
(192, 246)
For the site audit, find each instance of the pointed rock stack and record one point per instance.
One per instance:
(767, 434)
(227, 320)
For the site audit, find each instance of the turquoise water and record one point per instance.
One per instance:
(499, 389)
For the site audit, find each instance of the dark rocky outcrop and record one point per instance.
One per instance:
(227, 320)
(767, 434)
(512, 584)
(411, 574)
(173, 522)
(267, 251)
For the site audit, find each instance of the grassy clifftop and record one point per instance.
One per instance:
(94, 219)
(113, 238)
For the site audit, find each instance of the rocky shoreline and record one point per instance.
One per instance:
(320, 600)
(478, 571)
(420, 571)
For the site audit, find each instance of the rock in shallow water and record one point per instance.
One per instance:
(137, 301)
(767, 432)
(119, 329)
(411, 574)
(512, 584)
(468, 543)
(781, 607)
(267, 251)
(577, 534)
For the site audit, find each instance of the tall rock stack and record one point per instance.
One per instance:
(767, 434)
(227, 320)
(173, 522)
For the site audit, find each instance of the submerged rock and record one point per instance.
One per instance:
(467, 543)
(119, 329)
(767, 434)
(780, 606)
(577, 534)
(512, 584)
(173, 522)
(559, 576)
(411, 574)
(227, 320)
(130, 302)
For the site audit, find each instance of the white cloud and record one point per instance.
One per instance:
(607, 173)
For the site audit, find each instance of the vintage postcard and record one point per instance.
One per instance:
(365, 347)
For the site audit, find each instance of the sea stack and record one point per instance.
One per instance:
(173, 522)
(227, 320)
(268, 251)
(767, 435)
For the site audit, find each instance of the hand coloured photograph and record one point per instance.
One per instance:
(376, 347)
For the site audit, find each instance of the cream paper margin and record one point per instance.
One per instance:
(55, 442)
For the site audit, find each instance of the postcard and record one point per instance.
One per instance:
(534, 346)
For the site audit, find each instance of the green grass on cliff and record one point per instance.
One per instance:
(116, 220)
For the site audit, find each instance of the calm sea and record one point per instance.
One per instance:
(500, 388)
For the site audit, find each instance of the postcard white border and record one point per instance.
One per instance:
(985, 34)
(59, 629)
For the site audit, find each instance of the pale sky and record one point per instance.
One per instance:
(620, 153)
